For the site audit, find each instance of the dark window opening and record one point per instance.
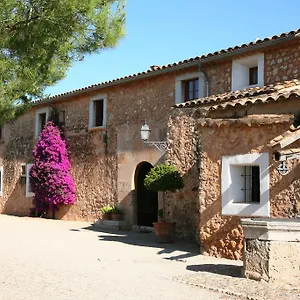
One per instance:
(253, 75)
(1, 179)
(29, 178)
(191, 89)
(23, 170)
(62, 117)
(42, 121)
(251, 184)
(98, 113)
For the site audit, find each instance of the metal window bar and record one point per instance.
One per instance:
(251, 184)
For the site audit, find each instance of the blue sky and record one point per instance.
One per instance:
(165, 31)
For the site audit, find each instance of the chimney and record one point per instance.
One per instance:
(154, 68)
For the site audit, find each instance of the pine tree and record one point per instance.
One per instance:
(51, 181)
(39, 41)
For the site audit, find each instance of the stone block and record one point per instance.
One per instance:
(109, 224)
(271, 251)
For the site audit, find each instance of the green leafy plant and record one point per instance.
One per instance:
(107, 209)
(161, 213)
(162, 178)
(117, 210)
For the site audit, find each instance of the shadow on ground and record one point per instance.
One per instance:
(228, 270)
(147, 239)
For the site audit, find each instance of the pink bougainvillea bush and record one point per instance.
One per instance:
(51, 181)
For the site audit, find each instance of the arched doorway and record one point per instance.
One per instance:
(147, 201)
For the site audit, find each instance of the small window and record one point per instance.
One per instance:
(251, 184)
(189, 86)
(247, 72)
(62, 117)
(40, 120)
(1, 133)
(97, 112)
(245, 185)
(191, 89)
(253, 75)
(29, 192)
(1, 181)
(23, 170)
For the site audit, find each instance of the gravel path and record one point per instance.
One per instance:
(46, 259)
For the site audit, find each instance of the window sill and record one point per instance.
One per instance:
(99, 128)
(248, 86)
(247, 210)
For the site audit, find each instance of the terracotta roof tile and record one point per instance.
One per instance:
(158, 69)
(265, 94)
(250, 120)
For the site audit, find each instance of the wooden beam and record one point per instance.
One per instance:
(291, 138)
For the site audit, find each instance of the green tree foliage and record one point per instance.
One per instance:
(40, 39)
(163, 177)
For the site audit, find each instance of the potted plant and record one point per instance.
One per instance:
(107, 212)
(116, 213)
(162, 178)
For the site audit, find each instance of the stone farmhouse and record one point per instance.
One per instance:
(224, 116)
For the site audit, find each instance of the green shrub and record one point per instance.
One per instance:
(163, 177)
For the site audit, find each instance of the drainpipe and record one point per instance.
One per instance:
(206, 78)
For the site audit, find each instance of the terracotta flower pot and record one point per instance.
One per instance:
(116, 217)
(164, 231)
(106, 216)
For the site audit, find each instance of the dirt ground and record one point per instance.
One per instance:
(47, 259)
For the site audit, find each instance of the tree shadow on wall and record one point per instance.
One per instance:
(221, 269)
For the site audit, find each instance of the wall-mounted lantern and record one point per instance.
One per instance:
(145, 134)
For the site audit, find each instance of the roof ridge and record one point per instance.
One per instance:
(166, 67)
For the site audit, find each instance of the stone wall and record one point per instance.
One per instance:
(103, 161)
(282, 63)
(16, 150)
(222, 235)
(183, 206)
(219, 77)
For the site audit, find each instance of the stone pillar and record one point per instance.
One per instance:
(272, 249)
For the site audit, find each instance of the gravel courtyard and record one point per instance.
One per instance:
(48, 259)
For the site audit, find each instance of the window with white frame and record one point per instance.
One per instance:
(29, 192)
(245, 185)
(2, 132)
(1, 181)
(248, 72)
(97, 111)
(41, 117)
(23, 170)
(189, 86)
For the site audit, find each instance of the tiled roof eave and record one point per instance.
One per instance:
(243, 98)
(218, 55)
